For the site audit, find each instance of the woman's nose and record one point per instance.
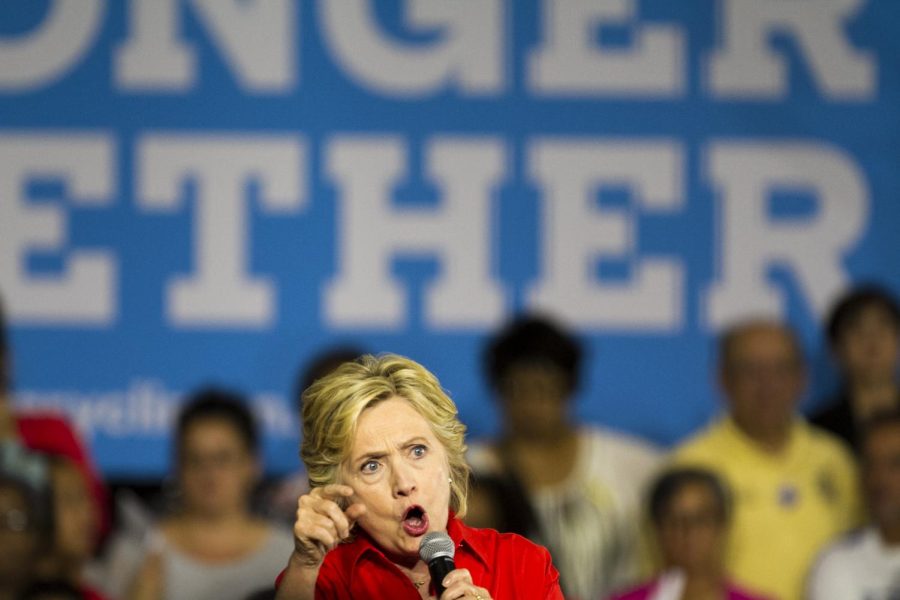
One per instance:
(404, 480)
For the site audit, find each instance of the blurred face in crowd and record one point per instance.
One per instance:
(534, 398)
(218, 470)
(18, 539)
(400, 471)
(692, 529)
(868, 347)
(76, 520)
(881, 476)
(763, 378)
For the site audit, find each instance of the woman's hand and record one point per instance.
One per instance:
(458, 584)
(148, 582)
(321, 524)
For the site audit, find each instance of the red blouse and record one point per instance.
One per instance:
(506, 564)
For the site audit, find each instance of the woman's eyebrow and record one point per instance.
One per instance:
(369, 455)
(417, 439)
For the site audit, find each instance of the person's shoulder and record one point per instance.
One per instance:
(826, 444)
(621, 444)
(619, 458)
(703, 446)
(845, 548)
(507, 544)
(278, 538)
(841, 557)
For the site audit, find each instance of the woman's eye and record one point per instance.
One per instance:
(369, 466)
(419, 451)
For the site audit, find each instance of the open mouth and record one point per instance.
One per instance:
(415, 521)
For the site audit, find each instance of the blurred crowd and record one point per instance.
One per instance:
(763, 503)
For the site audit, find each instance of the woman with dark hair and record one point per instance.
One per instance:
(75, 529)
(582, 485)
(689, 509)
(213, 547)
(864, 336)
(24, 519)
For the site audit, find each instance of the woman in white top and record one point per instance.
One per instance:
(213, 547)
(584, 484)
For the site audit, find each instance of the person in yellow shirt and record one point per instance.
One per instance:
(794, 486)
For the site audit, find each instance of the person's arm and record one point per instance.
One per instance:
(148, 583)
(298, 581)
(320, 526)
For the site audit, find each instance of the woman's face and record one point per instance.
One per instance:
(218, 471)
(869, 346)
(399, 470)
(691, 532)
(19, 540)
(76, 519)
(534, 398)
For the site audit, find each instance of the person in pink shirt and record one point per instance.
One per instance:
(47, 433)
(689, 509)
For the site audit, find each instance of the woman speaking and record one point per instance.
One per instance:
(384, 450)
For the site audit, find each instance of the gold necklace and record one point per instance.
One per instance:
(419, 584)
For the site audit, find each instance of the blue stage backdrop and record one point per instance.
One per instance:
(199, 191)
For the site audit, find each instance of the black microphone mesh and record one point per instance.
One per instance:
(434, 544)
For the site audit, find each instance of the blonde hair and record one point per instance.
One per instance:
(332, 406)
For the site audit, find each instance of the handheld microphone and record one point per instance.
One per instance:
(436, 550)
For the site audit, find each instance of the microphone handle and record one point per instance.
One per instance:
(440, 567)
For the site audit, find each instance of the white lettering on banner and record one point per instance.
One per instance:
(85, 291)
(577, 233)
(458, 232)
(256, 38)
(145, 407)
(752, 241)
(48, 53)
(220, 292)
(570, 62)
(746, 65)
(469, 56)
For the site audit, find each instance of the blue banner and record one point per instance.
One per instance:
(198, 191)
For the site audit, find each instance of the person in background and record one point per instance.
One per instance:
(864, 337)
(213, 547)
(584, 484)
(24, 519)
(384, 449)
(795, 486)
(690, 512)
(280, 502)
(865, 565)
(75, 531)
(45, 432)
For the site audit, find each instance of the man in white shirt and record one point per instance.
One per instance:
(866, 565)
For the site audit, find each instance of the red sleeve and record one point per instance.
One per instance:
(551, 577)
(51, 434)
